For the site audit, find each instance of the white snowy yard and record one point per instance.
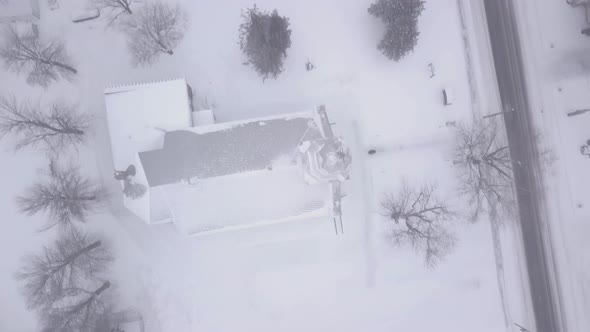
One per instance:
(300, 275)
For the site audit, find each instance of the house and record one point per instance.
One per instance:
(13, 11)
(202, 176)
(22, 14)
(138, 115)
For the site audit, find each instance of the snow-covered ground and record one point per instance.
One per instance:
(297, 275)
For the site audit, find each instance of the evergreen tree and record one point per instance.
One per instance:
(401, 18)
(264, 39)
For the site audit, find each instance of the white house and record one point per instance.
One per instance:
(14, 11)
(207, 177)
(138, 115)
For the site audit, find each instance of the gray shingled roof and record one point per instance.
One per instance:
(242, 148)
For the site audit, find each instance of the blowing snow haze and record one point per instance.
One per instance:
(325, 165)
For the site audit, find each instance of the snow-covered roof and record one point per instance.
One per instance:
(228, 148)
(17, 8)
(243, 200)
(139, 114)
(203, 118)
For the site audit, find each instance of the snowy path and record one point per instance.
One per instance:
(365, 180)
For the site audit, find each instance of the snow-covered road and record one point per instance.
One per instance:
(558, 79)
(557, 76)
(527, 170)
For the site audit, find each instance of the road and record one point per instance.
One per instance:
(510, 74)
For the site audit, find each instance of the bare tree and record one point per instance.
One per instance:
(66, 195)
(418, 219)
(78, 311)
(117, 7)
(58, 128)
(71, 260)
(485, 167)
(43, 62)
(155, 28)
